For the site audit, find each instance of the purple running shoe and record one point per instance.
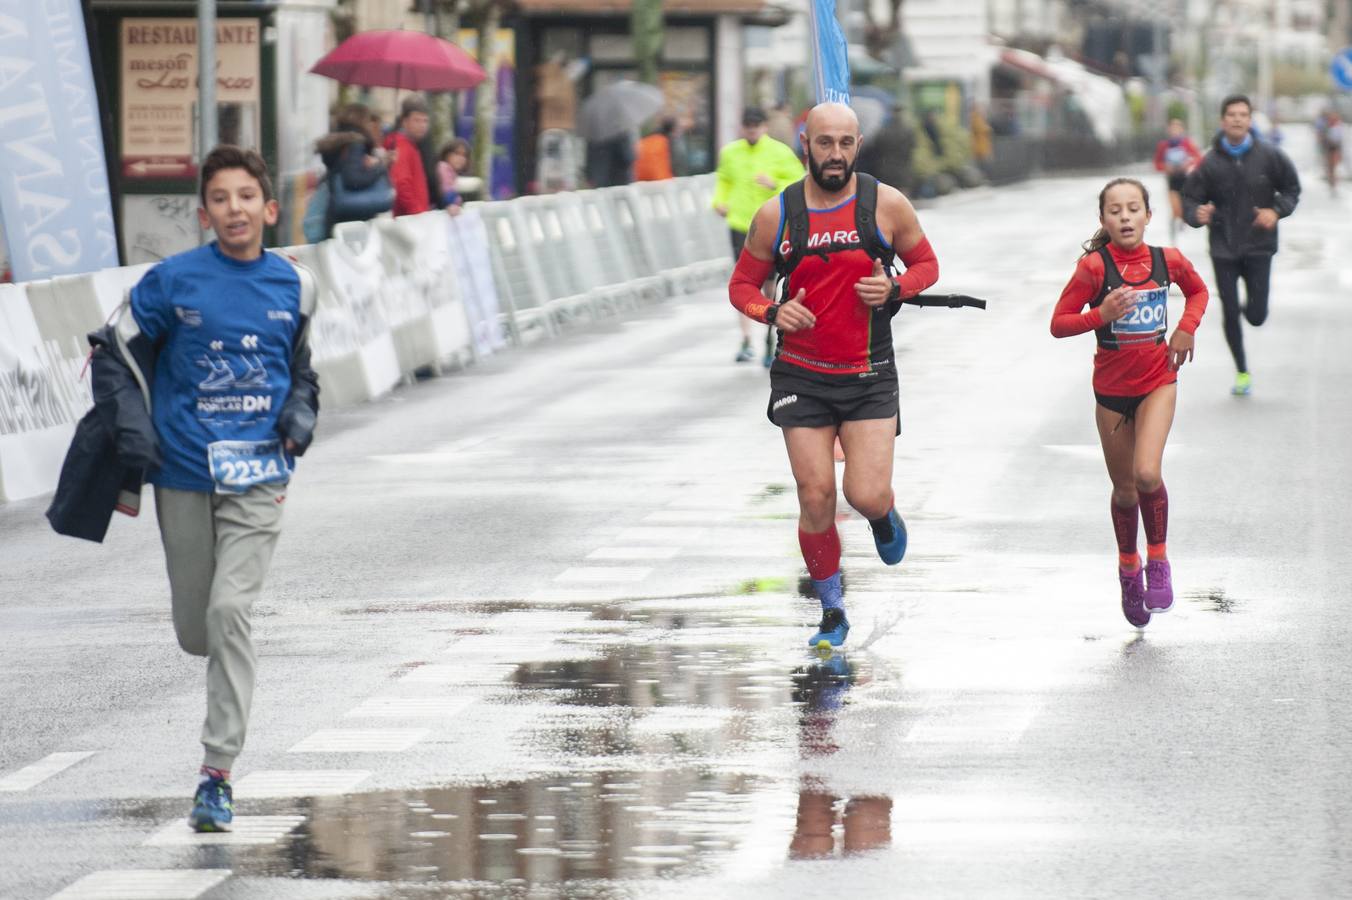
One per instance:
(1159, 595)
(1133, 597)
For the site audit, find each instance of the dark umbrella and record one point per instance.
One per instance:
(618, 108)
(410, 60)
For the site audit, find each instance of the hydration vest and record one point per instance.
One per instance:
(865, 221)
(1112, 280)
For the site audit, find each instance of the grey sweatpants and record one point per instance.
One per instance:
(217, 548)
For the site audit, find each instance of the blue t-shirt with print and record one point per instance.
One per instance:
(225, 330)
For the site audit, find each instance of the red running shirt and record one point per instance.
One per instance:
(1134, 370)
(850, 337)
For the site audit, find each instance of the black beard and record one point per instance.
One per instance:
(829, 183)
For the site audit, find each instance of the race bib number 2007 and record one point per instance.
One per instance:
(1148, 318)
(237, 466)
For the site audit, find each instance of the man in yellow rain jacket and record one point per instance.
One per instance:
(751, 170)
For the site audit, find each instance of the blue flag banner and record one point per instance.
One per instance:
(54, 201)
(830, 55)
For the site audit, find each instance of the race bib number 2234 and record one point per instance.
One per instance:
(237, 466)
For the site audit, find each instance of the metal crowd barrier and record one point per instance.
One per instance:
(396, 298)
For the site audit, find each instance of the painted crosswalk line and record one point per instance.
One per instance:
(144, 884)
(299, 782)
(40, 771)
(244, 831)
(360, 740)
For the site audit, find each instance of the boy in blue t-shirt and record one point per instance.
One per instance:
(233, 401)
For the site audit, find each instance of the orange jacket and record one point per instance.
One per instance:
(654, 159)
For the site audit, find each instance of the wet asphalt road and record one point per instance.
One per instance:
(535, 629)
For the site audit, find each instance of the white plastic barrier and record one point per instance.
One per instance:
(420, 272)
(40, 399)
(469, 249)
(394, 297)
(350, 341)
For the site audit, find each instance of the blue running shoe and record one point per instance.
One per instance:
(893, 550)
(213, 807)
(833, 629)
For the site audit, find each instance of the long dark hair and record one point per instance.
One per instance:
(1101, 238)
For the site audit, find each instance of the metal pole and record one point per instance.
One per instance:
(206, 85)
(206, 77)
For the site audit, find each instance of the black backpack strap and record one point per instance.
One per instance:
(794, 199)
(1112, 280)
(866, 220)
(1159, 273)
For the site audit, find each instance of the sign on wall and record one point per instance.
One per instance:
(159, 92)
(54, 198)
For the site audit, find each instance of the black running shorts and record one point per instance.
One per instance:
(800, 398)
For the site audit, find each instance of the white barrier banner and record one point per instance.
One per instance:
(469, 237)
(41, 398)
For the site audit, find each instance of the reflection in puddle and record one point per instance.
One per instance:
(610, 825)
(644, 732)
(827, 823)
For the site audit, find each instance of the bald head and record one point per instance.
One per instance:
(832, 142)
(833, 117)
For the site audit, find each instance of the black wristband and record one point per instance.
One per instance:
(894, 295)
(771, 313)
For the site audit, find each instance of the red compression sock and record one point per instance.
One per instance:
(821, 552)
(1155, 515)
(1124, 526)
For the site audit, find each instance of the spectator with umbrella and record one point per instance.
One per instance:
(404, 60)
(408, 172)
(608, 121)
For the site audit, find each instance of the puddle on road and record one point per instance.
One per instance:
(593, 832)
(595, 827)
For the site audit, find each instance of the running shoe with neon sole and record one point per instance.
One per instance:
(893, 550)
(1243, 385)
(1159, 592)
(213, 807)
(832, 631)
(1133, 597)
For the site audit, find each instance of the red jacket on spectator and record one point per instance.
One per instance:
(407, 176)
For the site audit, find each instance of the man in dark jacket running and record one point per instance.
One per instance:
(1240, 190)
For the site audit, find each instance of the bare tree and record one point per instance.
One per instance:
(882, 34)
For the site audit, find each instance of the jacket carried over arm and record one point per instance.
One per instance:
(116, 441)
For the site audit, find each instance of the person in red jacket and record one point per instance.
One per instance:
(1176, 156)
(1125, 283)
(407, 173)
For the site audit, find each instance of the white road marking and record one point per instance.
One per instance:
(602, 575)
(661, 535)
(360, 740)
(688, 517)
(244, 831)
(299, 783)
(634, 553)
(144, 884)
(459, 673)
(408, 707)
(40, 771)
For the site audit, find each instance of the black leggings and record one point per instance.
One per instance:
(1256, 272)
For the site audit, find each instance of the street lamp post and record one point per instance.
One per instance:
(206, 83)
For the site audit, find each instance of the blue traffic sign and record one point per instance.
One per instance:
(1341, 69)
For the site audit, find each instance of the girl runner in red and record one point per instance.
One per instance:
(1125, 283)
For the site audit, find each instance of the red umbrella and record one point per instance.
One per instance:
(410, 60)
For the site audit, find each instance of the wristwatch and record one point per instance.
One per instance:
(771, 313)
(894, 295)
